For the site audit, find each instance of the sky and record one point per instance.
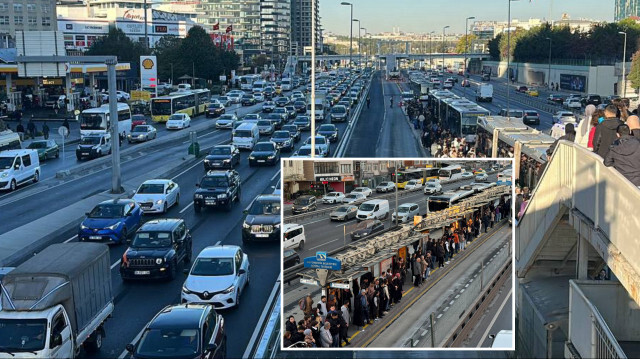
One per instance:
(424, 16)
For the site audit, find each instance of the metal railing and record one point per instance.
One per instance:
(265, 341)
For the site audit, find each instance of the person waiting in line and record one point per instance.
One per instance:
(624, 155)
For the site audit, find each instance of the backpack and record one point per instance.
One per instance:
(302, 303)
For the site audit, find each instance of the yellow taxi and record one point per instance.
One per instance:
(278, 89)
(533, 92)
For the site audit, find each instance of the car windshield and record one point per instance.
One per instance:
(263, 147)
(90, 141)
(6, 162)
(215, 105)
(358, 190)
(212, 267)
(290, 128)
(265, 207)
(140, 129)
(22, 335)
(342, 209)
(226, 117)
(301, 120)
(328, 128)
(431, 185)
(304, 151)
(281, 134)
(152, 240)
(169, 343)
(242, 133)
(351, 196)
(264, 123)
(332, 194)
(38, 144)
(214, 182)
(367, 207)
(301, 200)
(149, 188)
(403, 209)
(220, 151)
(107, 211)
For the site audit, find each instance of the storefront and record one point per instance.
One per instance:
(330, 183)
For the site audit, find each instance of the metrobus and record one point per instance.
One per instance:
(451, 172)
(9, 140)
(462, 119)
(423, 174)
(192, 102)
(505, 177)
(247, 81)
(488, 130)
(97, 120)
(436, 99)
(447, 199)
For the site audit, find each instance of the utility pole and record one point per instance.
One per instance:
(350, 32)
(396, 190)
(624, 64)
(466, 40)
(443, 50)
(116, 179)
(146, 34)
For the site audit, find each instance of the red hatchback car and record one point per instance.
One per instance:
(138, 120)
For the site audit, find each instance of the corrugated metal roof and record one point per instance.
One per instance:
(8, 55)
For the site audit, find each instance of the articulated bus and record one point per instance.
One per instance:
(450, 173)
(435, 100)
(447, 199)
(192, 102)
(423, 174)
(462, 118)
(97, 120)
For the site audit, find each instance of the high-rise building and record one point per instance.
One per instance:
(301, 31)
(25, 15)
(626, 8)
(275, 24)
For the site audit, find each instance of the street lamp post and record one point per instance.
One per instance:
(365, 34)
(431, 48)
(350, 32)
(624, 64)
(549, 75)
(466, 39)
(359, 51)
(443, 49)
(509, 57)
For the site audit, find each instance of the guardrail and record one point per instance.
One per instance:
(346, 136)
(264, 342)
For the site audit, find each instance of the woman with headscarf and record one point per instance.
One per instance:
(584, 126)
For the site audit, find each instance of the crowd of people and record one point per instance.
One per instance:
(326, 324)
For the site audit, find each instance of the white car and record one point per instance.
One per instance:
(481, 177)
(366, 191)
(354, 197)
(406, 212)
(413, 184)
(218, 276)
(572, 103)
(433, 181)
(122, 95)
(564, 116)
(385, 187)
(432, 188)
(235, 96)
(333, 197)
(178, 121)
(321, 142)
(157, 196)
(258, 96)
(467, 175)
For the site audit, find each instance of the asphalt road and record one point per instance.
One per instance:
(382, 131)
(323, 234)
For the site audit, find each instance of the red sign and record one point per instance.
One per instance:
(325, 182)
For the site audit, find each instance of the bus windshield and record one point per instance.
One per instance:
(92, 121)
(469, 124)
(438, 205)
(161, 107)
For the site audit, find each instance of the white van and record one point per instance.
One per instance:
(293, 236)
(184, 87)
(18, 167)
(246, 135)
(502, 340)
(287, 84)
(259, 86)
(375, 208)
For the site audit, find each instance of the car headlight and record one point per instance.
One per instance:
(159, 260)
(206, 161)
(364, 234)
(159, 201)
(277, 226)
(186, 290)
(229, 290)
(198, 196)
(140, 136)
(113, 227)
(252, 157)
(82, 226)
(227, 160)
(271, 157)
(245, 225)
(222, 195)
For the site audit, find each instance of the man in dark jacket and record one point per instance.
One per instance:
(634, 126)
(624, 155)
(335, 328)
(605, 132)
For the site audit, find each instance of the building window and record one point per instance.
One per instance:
(32, 20)
(4, 7)
(17, 7)
(91, 40)
(4, 20)
(325, 167)
(68, 41)
(18, 19)
(345, 168)
(31, 7)
(46, 21)
(45, 8)
(80, 41)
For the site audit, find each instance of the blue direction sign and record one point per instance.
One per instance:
(322, 261)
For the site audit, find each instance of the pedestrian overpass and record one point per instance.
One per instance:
(583, 217)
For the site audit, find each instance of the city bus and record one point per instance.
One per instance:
(436, 102)
(97, 120)
(447, 199)
(247, 81)
(450, 173)
(192, 102)
(488, 126)
(505, 177)
(462, 119)
(423, 174)
(9, 140)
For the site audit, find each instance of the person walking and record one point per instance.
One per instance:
(325, 335)
(417, 273)
(20, 130)
(624, 155)
(368, 101)
(605, 133)
(65, 123)
(31, 128)
(569, 135)
(45, 131)
(332, 319)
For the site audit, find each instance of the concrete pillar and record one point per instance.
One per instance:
(11, 105)
(92, 90)
(582, 260)
(67, 91)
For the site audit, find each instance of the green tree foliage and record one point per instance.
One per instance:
(460, 46)
(118, 44)
(494, 47)
(259, 61)
(634, 73)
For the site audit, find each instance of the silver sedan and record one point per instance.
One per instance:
(142, 133)
(344, 213)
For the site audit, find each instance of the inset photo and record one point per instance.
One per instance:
(397, 253)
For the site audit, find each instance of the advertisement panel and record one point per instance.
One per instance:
(148, 72)
(573, 82)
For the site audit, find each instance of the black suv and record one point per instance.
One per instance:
(262, 221)
(157, 249)
(304, 204)
(591, 100)
(182, 331)
(366, 228)
(217, 188)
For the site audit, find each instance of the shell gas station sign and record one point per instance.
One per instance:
(149, 72)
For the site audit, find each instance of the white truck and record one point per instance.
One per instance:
(321, 103)
(56, 302)
(484, 93)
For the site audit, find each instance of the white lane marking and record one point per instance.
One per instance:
(203, 135)
(70, 239)
(116, 263)
(187, 170)
(186, 207)
(484, 336)
(218, 242)
(324, 244)
(275, 175)
(135, 340)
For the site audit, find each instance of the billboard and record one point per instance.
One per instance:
(573, 82)
(149, 72)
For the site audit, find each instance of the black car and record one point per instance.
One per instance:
(329, 131)
(283, 140)
(366, 228)
(262, 221)
(300, 106)
(157, 250)
(291, 112)
(275, 118)
(282, 101)
(293, 132)
(531, 117)
(185, 331)
(248, 100)
(290, 258)
(269, 92)
(592, 100)
(304, 204)
(303, 123)
(264, 153)
(217, 188)
(222, 156)
(214, 110)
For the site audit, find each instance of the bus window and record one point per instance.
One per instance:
(161, 107)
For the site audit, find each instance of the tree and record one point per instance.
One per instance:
(259, 61)
(462, 46)
(117, 43)
(494, 47)
(634, 73)
(168, 53)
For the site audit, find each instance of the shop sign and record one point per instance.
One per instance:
(348, 179)
(308, 281)
(339, 285)
(328, 178)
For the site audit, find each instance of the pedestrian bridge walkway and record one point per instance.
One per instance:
(582, 218)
